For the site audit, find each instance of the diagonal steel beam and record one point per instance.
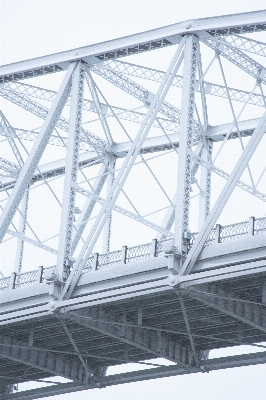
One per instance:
(36, 153)
(9, 168)
(88, 207)
(170, 214)
(247, 44)
(183, 308)
(123, 172)
(224, 196)
(40, 111)
(24, 238)
(237, 57)
(157, 343)
(125, 212)
(242, 185)
(88, 105)
(94, 94)
(69, 335)
(155, 75)
(10, 133)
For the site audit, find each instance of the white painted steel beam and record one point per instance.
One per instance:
(185, 144)
(21, 230)
(136, 90)
(88, 105)
(154, 39)
(71, 171)
(205, 184)
(111, 163)
(9, 168)
(123, 172)
(210, 88)
(247, 44)
(24, 238)
(88, 207)
(237, 57)
(7, 130)
(99, 110)
(224, 195)
(225, 175)
(125, 212)
(36, 153)
(40, 111)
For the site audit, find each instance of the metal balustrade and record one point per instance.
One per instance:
(137, 253)
(260, 226)
(5, 283)
(127, 255)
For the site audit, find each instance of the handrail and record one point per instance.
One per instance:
(127, 255)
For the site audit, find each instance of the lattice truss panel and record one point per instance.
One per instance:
(159, 139)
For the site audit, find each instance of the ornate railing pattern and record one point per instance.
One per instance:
(109, 259)
(25, 279)
(5, 283)
(210, 240)
(235, 231)
(137, 253)
(127, 255)
(88, 266)
(260, 226)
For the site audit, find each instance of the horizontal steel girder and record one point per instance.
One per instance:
(150, 145)
(151, 40)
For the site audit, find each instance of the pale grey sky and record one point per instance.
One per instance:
(35, 28)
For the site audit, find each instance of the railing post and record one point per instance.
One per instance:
(12, 280)
(251, 224)
(95, 262)
(39, 274)
(124, 255)
(217, 233)
(153, 247)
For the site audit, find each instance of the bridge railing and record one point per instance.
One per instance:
(225, 233)
(127, 255)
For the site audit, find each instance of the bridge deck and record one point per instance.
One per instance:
(131, 312)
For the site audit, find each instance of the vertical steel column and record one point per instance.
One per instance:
(72, 158)
(185, 144)
(110, 180)
(123, 172)
(21, 230)
(205, 185)
(224, 196)
(36, 153)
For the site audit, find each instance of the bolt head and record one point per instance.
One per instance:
(173, 280)
(53, 306)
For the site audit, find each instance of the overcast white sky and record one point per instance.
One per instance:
(35, 28)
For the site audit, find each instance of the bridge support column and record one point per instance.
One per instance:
(185, 144)
(68, 206)
(205, 185)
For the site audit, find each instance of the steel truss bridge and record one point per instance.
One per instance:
(156, 135)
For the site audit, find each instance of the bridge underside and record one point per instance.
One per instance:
(133, 313)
